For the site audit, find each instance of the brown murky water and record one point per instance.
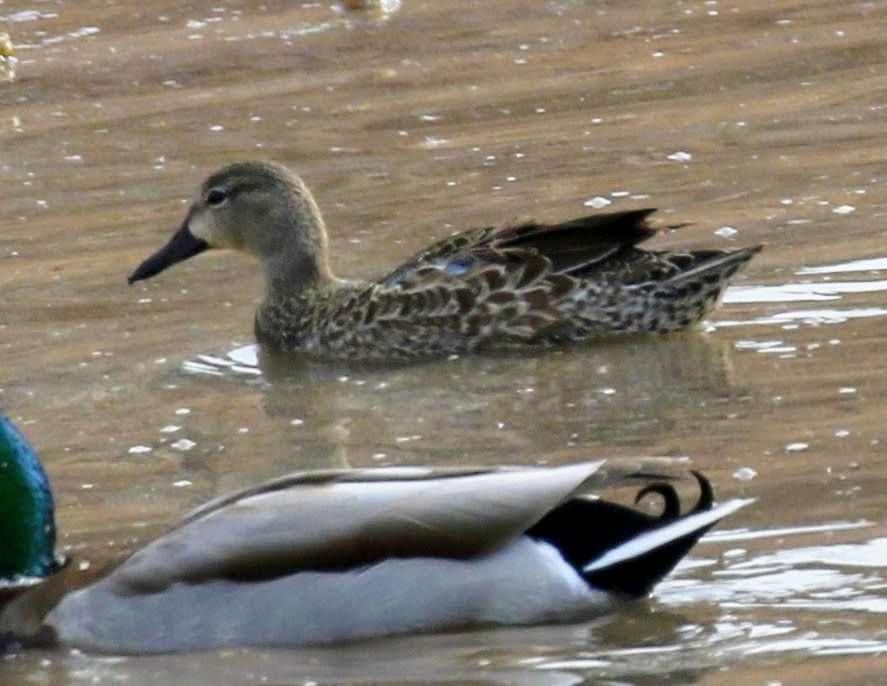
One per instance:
(769, 121)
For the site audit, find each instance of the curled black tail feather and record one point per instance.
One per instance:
(583, 530)
(706, 494)
(672, 507)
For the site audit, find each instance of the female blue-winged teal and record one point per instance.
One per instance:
(342, 555)
(514, 286)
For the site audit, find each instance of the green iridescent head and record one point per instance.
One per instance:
(27, 521)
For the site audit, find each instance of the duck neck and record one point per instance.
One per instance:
(299, 261)
(291, 273)
(27, 521)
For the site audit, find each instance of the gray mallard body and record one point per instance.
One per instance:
(340, 555)
(344, 555)
(526, 285)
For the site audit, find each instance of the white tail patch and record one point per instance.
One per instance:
(657, 538)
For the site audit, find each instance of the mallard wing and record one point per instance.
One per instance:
(340, 520)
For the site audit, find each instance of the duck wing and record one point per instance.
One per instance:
(340, 520)
(571, 247)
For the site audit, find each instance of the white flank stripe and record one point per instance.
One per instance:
(659, 537)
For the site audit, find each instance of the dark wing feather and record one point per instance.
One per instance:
(572, 247)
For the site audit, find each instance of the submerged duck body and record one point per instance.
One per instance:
(343, 555)
(518, 286)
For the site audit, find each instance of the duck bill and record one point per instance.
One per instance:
(181, 246)
(25, 603)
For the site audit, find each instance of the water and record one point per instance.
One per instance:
(408, 124)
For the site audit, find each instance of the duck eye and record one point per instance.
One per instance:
(216, 197)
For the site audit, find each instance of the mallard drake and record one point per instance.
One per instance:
(527, 284)
(343, 555)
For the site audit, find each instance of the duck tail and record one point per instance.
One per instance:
(716, 267)
(622, 550)
(697, 288)
(636, 564)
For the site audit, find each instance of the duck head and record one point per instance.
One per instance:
(27, 511)
(260, 208)
(27, 522)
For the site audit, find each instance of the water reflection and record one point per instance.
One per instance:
(874, 264)
(810, 317)
(835, 578)
(792, 292)
(619, 393)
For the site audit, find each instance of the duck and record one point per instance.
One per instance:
(343, 555)
(517, 286)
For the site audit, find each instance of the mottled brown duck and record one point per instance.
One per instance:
(522, 285)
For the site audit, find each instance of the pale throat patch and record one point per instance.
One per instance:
(202, 227)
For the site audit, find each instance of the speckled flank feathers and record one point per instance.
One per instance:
(524, 285)
(511, 287)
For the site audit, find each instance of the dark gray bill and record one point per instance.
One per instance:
(181, 246)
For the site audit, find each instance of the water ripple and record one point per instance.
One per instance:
(795, 292)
